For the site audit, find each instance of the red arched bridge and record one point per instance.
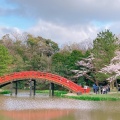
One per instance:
(43, 75)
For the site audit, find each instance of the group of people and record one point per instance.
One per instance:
(101, 89)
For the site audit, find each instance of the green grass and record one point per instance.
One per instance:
(112, 96)
(56, 92)
(98, 97)
(4, 92)
(88, 97)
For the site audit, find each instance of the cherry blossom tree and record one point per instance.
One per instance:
(86, 67)
(113, 69)
(104, 47)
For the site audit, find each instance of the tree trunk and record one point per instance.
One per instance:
(116, 85)
(112, 85)
(87, 76)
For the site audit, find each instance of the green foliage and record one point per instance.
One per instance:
(63, 62)
(38, 63)
(42, 46)
(104, 47)
(53, 45)
(31, 41)
(59, 63)
(101, 76)
(81, 81)
(74, 57)
(87, 53)
(33, 53)
(5, 60)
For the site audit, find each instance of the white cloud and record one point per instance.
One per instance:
(8, 30)
(64, 34)
(115, 27)
(68, 11)
(65, 21)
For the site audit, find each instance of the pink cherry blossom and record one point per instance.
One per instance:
(113, 68)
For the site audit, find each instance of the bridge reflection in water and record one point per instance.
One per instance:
(36, 114)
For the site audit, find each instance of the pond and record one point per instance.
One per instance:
(43, 107)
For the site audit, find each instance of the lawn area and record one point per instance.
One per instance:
(111, 96)
(56, 92)
(4, 91)
(96, 97)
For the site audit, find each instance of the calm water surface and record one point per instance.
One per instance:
(42, 107)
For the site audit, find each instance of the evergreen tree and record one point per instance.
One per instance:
(104, 47)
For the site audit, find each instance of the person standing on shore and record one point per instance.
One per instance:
(101, 89)
(94, 88)
(97, 89)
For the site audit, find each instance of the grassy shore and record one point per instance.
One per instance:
(111, 96)
(56, 92)
(4, 91)
(96, 97)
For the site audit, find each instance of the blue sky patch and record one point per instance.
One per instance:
(19, 22)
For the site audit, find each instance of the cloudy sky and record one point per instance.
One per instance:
(63, 21)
